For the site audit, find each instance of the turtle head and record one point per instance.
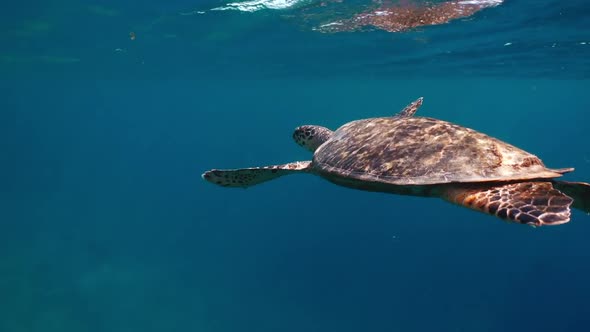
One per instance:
(311, 137)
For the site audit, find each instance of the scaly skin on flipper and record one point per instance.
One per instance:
(247, 177)
(530, 203)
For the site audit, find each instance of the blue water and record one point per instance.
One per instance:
(106, 225)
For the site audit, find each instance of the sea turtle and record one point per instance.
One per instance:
(410, 155)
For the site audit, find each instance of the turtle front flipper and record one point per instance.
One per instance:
(409, 110)
(247, 177)
(530, 203)
(579, 191)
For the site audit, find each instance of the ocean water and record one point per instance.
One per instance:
(110, 112)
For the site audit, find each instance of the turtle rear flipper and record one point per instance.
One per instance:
(247, 177)
(531, 203)
(579, 191)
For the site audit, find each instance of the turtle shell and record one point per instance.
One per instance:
(422, 151)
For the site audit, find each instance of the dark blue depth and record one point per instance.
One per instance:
(106, 225)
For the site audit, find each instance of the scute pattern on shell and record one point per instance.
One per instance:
(421, 150)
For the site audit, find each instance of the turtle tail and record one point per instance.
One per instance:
(579, 191)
